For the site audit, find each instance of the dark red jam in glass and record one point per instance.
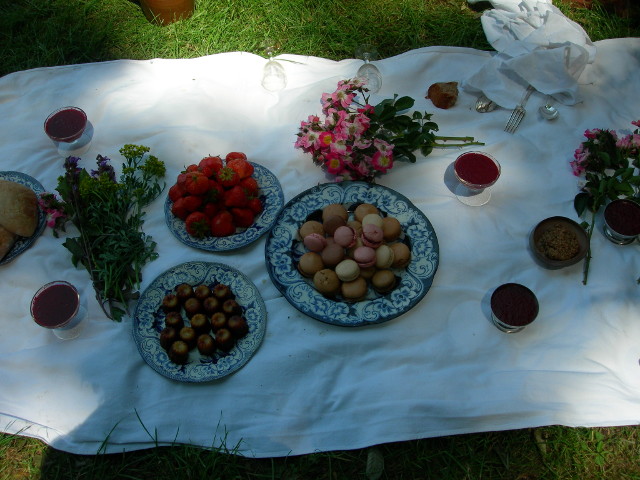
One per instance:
(623, 217)
(514, 305)
(55, 304)
(477, 169)
(66, 124)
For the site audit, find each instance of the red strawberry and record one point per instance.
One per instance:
(196, 183)
(243, 167)
(243, 217)
(235, 155)
(198, 225)
(210, 209)
(215, 192)
(222, 224)
(235, 197)
(191, 168)
(182, 179)
(228, 177)
(176, 191)
(192, 202)
(214, 163)
(255, 205)
(250, 185)
(179, 208)
(206, 171)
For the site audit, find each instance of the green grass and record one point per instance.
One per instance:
(40, 33)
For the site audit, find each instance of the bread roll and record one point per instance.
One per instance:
(443, 94)
(18, 208)
(7, 239)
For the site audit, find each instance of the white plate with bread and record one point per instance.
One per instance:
(21, 219)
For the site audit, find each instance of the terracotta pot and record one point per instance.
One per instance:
(165, 12)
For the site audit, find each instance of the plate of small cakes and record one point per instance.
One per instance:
(352, 253)
(199, 321)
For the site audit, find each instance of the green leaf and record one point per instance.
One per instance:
(404, 103)
(581, 202)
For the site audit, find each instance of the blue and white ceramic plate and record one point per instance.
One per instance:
(148, 322)
(272, 199)
(284, 247)
(23, 243)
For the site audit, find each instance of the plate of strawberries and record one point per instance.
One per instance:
(221, 204)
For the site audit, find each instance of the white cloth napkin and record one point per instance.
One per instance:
(537, 45)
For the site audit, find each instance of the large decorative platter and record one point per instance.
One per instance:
(284, 247)
(23, 243)
(148, 322)
(272, 199)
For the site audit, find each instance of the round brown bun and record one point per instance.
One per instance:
(365, 209)
(355, 290)
(335, 209)
(383, 281)
(309, 264)
(326, 282)
(311, 226)
(391, 229)
(401, 255)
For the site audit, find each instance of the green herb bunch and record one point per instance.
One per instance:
(610, 164)
(109, 215)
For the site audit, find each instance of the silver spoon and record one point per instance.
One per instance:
(484, 104)
(548, 111)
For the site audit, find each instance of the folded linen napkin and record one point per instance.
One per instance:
(537, 45)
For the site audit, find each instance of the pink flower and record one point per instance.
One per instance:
(334, 164)
(382, 161)
(636, 123)
(325, 139)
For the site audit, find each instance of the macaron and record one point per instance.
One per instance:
(356, 225)
(401, 255)
(310, 226)
(347, 270)
(384, 256)
(391, 229)
(363, 210)
(355, 290)
(335, 209)
(345, 236)
(364, 256)
(383, 281)
(315, 242)
(310, 263)
(332, 223)
(332, 254)
(373, 218)
(372, 235)
(326, 282)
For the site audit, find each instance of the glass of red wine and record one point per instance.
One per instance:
(476, 173)
(68, 129)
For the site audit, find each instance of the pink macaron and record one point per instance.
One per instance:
(345, 236)
(315, 242)
(365, 256)
(372, 235)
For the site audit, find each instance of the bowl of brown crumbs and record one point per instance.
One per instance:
(558, 242)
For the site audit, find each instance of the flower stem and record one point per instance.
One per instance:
(587, 260)
(465, 141)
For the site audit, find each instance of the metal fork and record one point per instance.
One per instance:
(518, 113)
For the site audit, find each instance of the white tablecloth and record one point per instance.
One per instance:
(440, 369)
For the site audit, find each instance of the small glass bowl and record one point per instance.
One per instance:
(56, 306)
(66, 124)
(513, 307)
(622, 221)
(473, 188)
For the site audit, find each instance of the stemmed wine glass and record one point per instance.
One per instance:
(274, 77)
(368, 53)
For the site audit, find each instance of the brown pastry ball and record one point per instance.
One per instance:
(332, 254)
(335, 209)
(174, 319)
(355, 290)
(222, 292)
(206, 345)
(225, 339)
(201, 292)
(179, 352)
(383, 281)
(211, 305)
(332, 223)
(170, 303)
(391, 229)
(363, 210)
(218, 320)
(200, 323)
(401, 255)
(443, 94)
(326, 282)
(192, 306)
(168, 335)
(184, 291)
(310, 263)
(231, 307)
(189, 336)
(238, 325)
(309, 227)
